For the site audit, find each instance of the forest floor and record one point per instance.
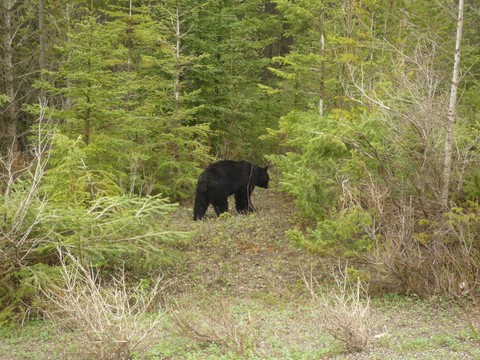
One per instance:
(240, 293)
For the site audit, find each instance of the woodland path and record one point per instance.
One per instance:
(241, 255)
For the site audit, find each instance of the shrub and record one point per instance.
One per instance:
(370, 185)
(343, 234)
(110, 321)
(345, 310)
(215, 323)
(44, 208)
(426, 257)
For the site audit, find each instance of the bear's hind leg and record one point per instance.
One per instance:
(220, 205)
(201, 206)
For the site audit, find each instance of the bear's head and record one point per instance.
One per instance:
(262, 177)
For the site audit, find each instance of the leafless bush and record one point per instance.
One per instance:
(345, 309)
(111, 321)
(422, 244)
(425, 256)
(17, 223)
(396, 259)
(215, 324)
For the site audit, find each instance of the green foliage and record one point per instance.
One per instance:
(71, 207)
(113, 231)
(175, 160)
(343, 234)
(4, 99)
(119, 78)
(69, 180)
(466, 223)
(226, 40)
(322, 155)
(472, 186)
(325, 166)
(353, 94)
(368, 170)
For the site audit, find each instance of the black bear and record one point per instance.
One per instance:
(224, 178)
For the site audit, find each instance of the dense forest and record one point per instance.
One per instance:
(366, 111)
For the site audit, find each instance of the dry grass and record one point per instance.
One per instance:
(110, 322)
(345, 309)
(214, 323)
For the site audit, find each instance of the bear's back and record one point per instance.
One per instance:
(229, 175)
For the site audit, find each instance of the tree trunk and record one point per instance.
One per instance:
(177, 63)
(447, 164)
(130, 34)
(42, 51)
(10, 115)
(322, 67)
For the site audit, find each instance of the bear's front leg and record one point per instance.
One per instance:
(243, 203)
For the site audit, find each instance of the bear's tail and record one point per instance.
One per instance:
(201, 202)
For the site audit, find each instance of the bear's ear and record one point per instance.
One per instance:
(265, 168)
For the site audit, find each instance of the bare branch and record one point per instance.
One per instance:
(358, 83)
(108, 319)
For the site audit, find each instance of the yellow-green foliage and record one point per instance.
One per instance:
(176, 159)
(325, 166)
(308, 164)
(321, 156)
(83, 211)
(69, 180)
(342, 234)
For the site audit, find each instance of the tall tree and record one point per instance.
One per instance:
(42, 39)
(23, 49)
(228, 39)
(118, 75)
(452, 113)
(10, 119)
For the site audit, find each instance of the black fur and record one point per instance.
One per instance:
(224, 178)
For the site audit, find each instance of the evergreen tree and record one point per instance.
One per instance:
(117, 83)
(227, 38)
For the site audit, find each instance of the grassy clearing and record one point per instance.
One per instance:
(239, 294)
